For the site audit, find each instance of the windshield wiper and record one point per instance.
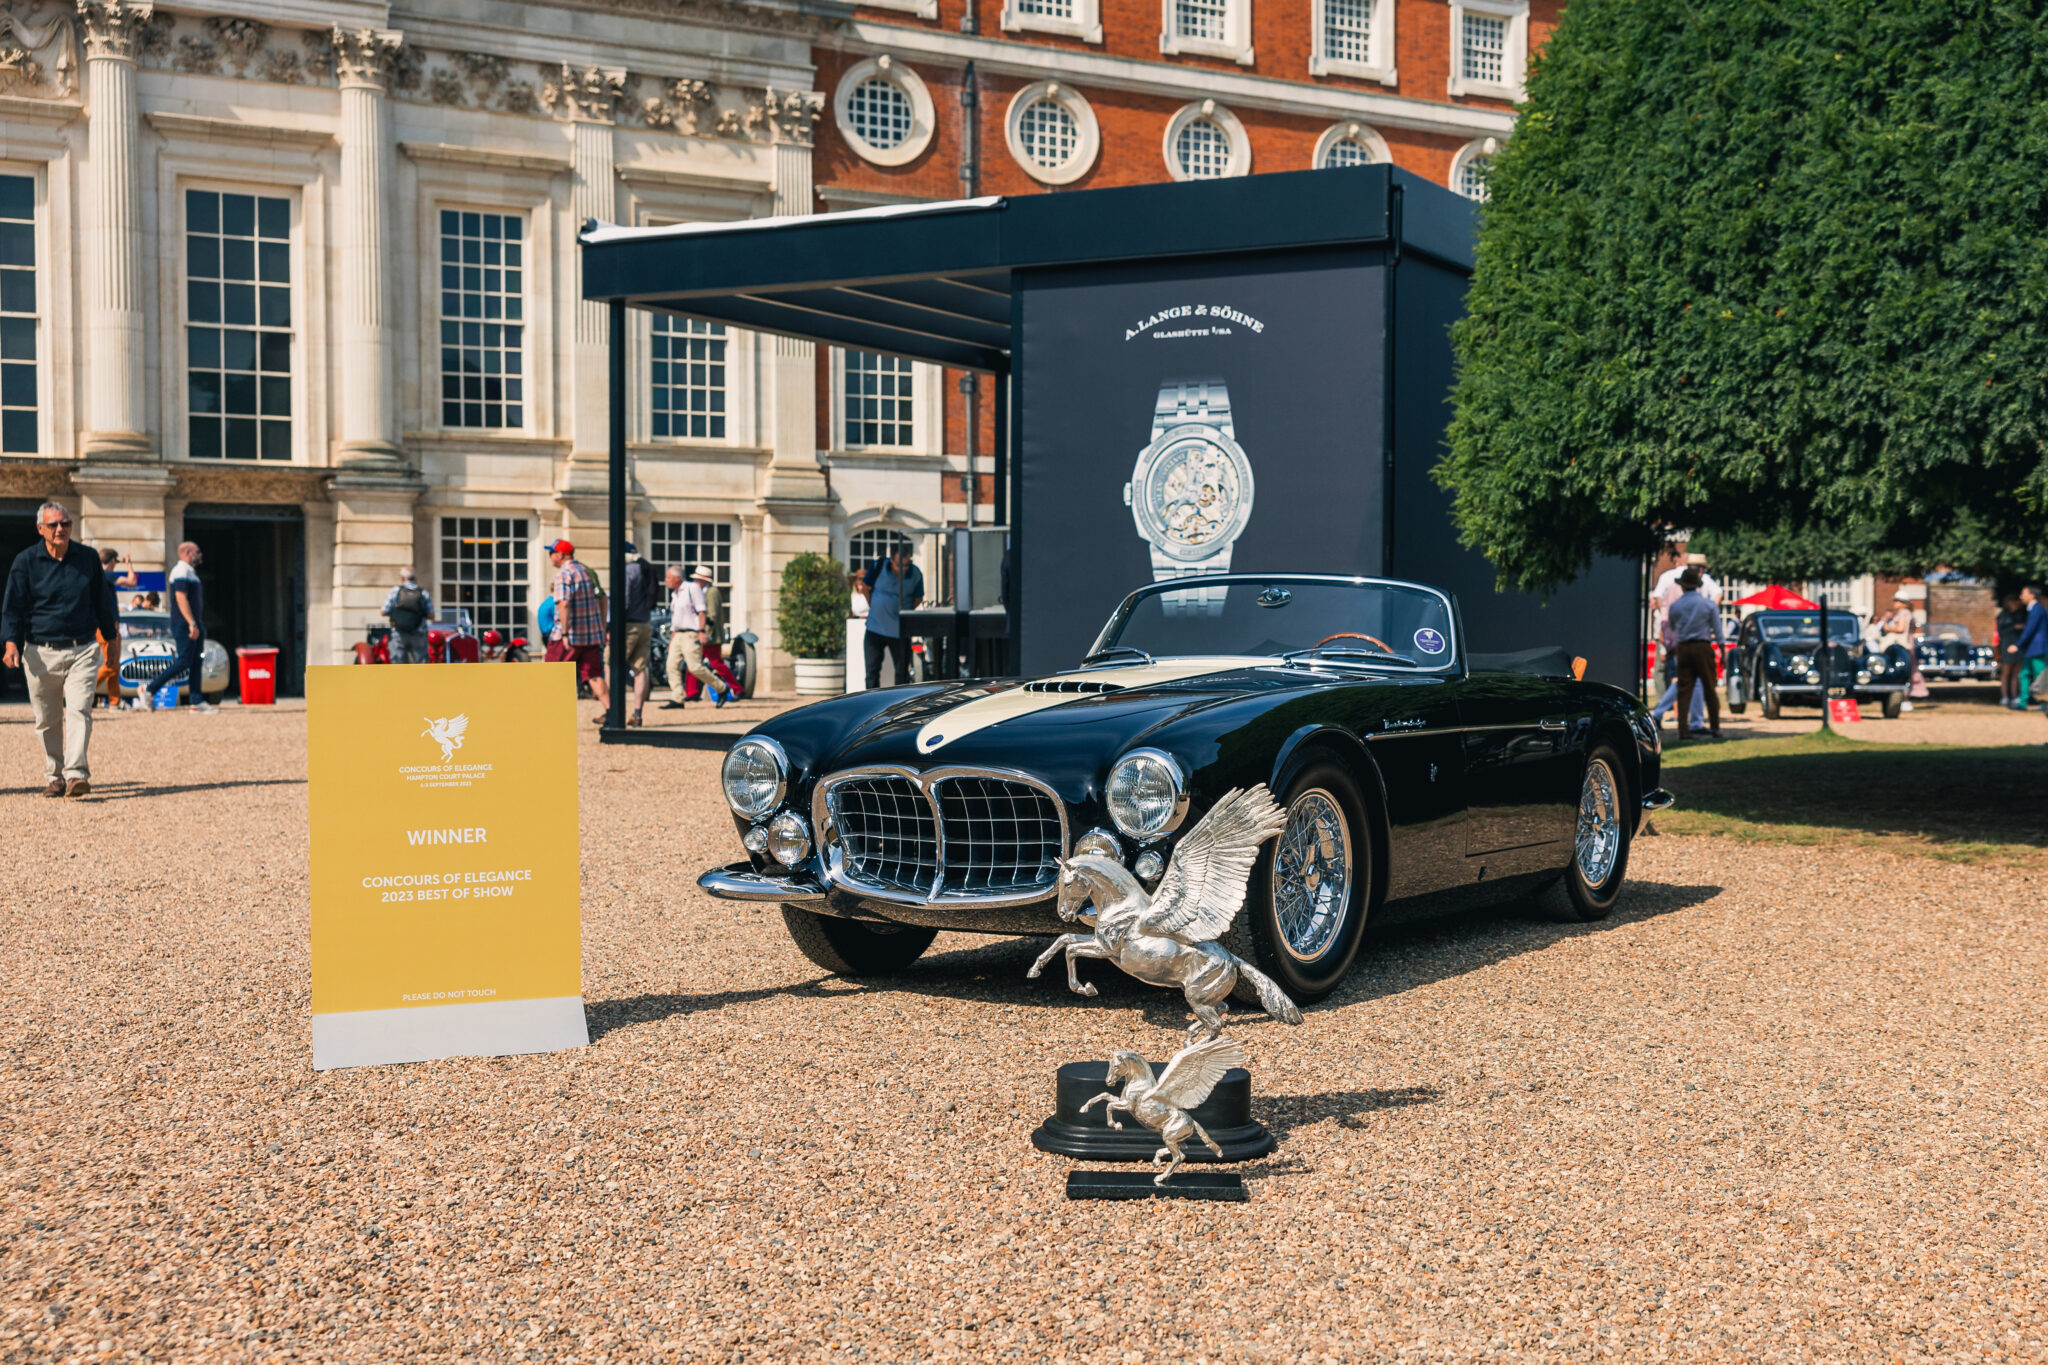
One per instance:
(1115, 650)
(1346, 655)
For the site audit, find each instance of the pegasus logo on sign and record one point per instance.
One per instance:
(446, 733)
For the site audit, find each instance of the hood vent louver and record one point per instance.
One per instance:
(1072, 685)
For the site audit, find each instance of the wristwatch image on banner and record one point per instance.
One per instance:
(1191, 492)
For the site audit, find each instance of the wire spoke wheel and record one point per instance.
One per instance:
(1599, 833)
(1312, 874)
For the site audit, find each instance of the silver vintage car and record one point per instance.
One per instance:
(149, 649)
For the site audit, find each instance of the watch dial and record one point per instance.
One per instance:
(1192, 493)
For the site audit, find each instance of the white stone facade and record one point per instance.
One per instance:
(242, 290)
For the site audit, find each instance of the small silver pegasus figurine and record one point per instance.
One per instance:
(1162, 1105)
(1169, 937)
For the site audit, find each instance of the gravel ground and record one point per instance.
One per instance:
(1783, 1106)
(1957, 713)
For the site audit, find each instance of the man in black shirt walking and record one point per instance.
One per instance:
(57, 603)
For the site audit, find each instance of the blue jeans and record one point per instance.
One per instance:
(189, 669)
(1697, 720)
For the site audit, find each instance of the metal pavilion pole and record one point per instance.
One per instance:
(615, 714)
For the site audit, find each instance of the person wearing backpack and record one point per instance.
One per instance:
(408, 608)
(639, 629)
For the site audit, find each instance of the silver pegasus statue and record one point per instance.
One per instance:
(1168, 938)
(1162, 1105)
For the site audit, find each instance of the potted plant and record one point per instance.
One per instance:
(811, 614)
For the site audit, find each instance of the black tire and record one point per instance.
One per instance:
(1894, 703)
(1258, 937)
(1572, 898)
(847, 947)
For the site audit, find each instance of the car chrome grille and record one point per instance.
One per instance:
(142, 667)
(951, 835)
(886, 827)
(1001, 837)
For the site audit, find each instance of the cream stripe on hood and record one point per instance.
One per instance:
(982, 712)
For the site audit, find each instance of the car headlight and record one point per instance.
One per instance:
(1800, 663)
(789, 838)
(755, 776)
(1146, 794)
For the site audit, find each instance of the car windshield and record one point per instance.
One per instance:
(1363, 622)
(1948, 630)
(1843, 627)
(145, 626)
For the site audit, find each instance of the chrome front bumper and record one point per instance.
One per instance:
(800, 890)
(740, 882)
(1654, 802)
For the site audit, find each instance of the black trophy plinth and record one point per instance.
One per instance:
(1226, 1114)
(1223, 1186)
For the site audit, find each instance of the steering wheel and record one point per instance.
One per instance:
(1353, 635)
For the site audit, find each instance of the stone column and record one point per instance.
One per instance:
(590, 100)
(121, 507)
(373, 540)
(364, 59)
(795, 499)
(116, 427)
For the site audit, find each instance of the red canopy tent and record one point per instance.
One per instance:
(1777, 599)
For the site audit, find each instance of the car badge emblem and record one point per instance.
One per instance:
(1275, 597)
(934, 741)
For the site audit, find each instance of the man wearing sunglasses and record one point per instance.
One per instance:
(58, 606)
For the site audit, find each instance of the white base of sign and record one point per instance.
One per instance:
(490, 1028)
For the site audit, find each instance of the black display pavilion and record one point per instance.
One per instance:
(1305, 316)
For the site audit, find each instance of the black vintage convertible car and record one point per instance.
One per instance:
(1945, 650)
(1777, 659)
(1414, 778)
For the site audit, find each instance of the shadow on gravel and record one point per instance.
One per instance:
(123, 791)
(1285, 1113)
(605, 1015)
(1392, 959)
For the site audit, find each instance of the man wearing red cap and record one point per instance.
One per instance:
(579, 622)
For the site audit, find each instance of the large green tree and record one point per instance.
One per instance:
(1774, 267)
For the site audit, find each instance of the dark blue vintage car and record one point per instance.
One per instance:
(1946, 651)
(1414, 778)
(1777, 658)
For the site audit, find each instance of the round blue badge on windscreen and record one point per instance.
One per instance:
(1429, 641)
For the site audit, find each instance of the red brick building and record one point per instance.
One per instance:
(943, 99)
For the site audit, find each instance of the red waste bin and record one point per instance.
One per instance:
(258, 665)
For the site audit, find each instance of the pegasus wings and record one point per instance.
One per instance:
(456, 725)
(1194, 1072)
(1205, 883)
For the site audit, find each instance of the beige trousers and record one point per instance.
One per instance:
(686, 655)
(60, 687)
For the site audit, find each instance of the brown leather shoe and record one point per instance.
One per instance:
(56, 787)
(78, 786)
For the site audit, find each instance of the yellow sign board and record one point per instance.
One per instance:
(445, 895)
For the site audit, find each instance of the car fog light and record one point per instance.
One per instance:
(1149, 865)
(1146, 794)
(757, 839)
(1863, 676)
(1101, 843)
(1813, 676)
(755, 776)
(789, 838)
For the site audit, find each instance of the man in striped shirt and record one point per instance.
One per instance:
(579, 622)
